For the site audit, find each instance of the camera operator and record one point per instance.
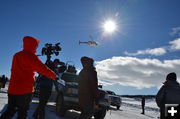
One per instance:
(46, 85)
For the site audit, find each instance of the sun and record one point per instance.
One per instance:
(109, 26)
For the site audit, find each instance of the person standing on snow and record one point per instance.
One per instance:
(169, 93)
(46, 85)
(4, 80)
(143, 104)
(88, 88)
(21, 87)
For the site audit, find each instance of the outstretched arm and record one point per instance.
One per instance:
(41, 68)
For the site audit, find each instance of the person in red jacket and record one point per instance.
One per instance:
(21, 87)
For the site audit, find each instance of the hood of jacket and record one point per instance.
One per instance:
(30, 44)
(173, 84)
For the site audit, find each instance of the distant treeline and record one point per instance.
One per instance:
(138, 96)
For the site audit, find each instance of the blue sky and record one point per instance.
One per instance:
(133, 60)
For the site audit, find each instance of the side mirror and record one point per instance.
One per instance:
(100, 86)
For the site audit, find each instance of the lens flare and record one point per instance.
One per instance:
(109, 26)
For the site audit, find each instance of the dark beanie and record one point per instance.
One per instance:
(87, 60)
(171, 76)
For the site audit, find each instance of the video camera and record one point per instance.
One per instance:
(49, 50)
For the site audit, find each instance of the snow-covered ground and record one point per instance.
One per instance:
(130, 109)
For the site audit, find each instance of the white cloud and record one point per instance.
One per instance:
(105, 82)
(175, 31)
(155, 51)
(175, 44)
(131, 71)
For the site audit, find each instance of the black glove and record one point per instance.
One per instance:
(56, 79)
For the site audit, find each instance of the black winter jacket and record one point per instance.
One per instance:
(88, 86)
(168, 94)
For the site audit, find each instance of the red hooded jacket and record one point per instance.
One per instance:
(25, 64)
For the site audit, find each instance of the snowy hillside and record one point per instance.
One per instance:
(130, 109)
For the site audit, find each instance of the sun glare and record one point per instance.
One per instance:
(109, 26)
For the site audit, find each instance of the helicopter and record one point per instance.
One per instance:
(90, 43)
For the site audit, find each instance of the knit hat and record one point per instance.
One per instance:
(87, 61)
(171, 76)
